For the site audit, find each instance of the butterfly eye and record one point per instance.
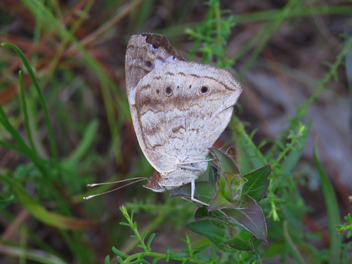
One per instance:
(148, 64)
(204, 89)
(168, 90)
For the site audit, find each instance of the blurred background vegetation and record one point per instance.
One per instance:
(293, 59)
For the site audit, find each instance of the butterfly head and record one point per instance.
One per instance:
(154, 183)
(160, 182)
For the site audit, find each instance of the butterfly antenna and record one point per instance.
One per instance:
(103, 183)
(95, 184)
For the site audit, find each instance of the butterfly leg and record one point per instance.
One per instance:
(193, 189)
(189, 167)
(191, 162)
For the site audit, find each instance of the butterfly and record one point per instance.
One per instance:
(178, 108)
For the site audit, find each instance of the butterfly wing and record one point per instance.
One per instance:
(145, 53)
(181, 109)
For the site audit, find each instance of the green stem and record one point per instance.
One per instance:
(162, 256)
(295, 252)
(156, 222)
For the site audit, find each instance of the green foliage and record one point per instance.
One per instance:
(213, 35)
(333, 212)
(233, 217)
(247, 208)
(46, 174)
(283, 196)
(190, 254)
(341, 228)
(231, 211)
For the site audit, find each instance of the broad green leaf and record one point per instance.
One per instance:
(224, 162)
(236, 185)
(237, 237)
(250, 216)
(203, 214)
(224, 186)
(207, 229)
(228, 193)
(213, 175)
(243, 241)
(227, 237)
(220, 202)
(257, 182)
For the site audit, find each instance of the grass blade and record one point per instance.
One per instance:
(41, 98)
(43, 215)
(332, 211)
(88, 138)
(25, 112)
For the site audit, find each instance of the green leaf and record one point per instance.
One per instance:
(178, 255)
(107, 260)
(207, 229)
(144, 235)
(224, 162)
(224, 187)
(204, 191)
(155, 260)
(220, 202)
(213, 175)
(257, 182)
(203, 214)
(250, 216)
(119, 253)
(140, 261)
(333, 212)
(120, 260)
(236, 236)
(150, 239)
(228, 193)
(227, 237)
(236, 184)
(243, 241)
(196, 251)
